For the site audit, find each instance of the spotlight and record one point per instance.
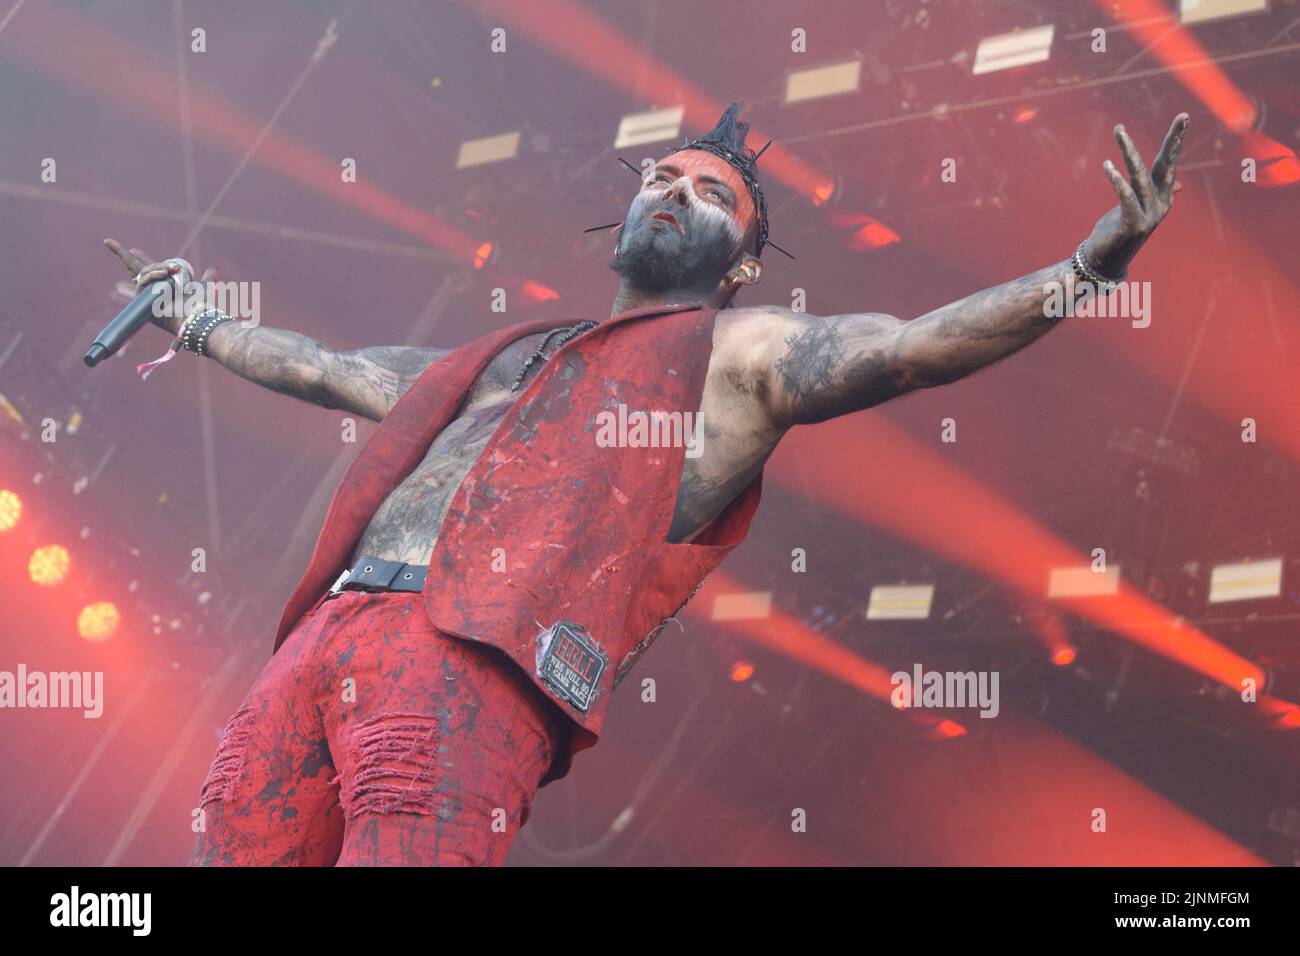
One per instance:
(48, 564)
(742, 671)
(98, 621)
(1007, 50)
(1246, 581)
(900, 602)
(489, 149)
(1083, 581)
(650, 127)
(1064, 656)
(1198, 11)
(823, 81)
(11, 509)
(536, 292)
(742, 606)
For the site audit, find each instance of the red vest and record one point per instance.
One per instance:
(554, 548)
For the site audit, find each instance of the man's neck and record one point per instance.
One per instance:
(630, 297)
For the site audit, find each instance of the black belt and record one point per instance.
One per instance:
(376, 574)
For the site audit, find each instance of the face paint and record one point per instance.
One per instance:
(688, 225)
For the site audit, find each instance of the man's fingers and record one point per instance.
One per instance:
(155, 271)
(1137, 170)
(1127, 199)
(1166, 164)
(115, 247)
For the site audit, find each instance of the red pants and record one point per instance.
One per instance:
(371, 738)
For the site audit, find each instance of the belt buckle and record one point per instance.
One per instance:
(340, 581)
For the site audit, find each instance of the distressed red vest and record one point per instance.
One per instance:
(554, 548)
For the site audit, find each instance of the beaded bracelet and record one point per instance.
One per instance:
(1088, 274)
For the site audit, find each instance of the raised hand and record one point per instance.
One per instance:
(138, 263)
(1144, 200)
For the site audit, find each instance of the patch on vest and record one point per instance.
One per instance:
(570, 661)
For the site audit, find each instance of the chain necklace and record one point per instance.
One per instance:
(565, 334)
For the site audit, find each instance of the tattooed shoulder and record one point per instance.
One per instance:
(808, 364)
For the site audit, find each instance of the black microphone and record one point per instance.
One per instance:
(138, 312)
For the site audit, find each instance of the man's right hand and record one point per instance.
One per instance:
(144, 270)
(365, 381)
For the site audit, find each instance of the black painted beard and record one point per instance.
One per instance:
(654, 265)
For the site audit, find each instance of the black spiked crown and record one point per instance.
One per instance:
(727, 140)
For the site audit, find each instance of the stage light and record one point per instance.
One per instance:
(1246, 581)
(742, 606)
(1290, 720)
(823, 81)
(1276, 164)
(742, 671)
(947, 730)
(900, 602)
(489, 149)
(98, 621)
(536, 292)
(871, 234)
(48, 564)
(1009, 50)
(649, 127)
(1199, 11)
(1083, 581)
(1023, 114)
(859, 231)
(11, 509)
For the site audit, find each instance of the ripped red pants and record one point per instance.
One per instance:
(371, 738)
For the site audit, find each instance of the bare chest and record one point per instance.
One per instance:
(405, 526)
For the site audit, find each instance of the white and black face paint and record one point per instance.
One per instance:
(673, 239)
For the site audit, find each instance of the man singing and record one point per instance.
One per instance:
(489, 571)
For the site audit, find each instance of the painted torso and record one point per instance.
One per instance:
(405, 527)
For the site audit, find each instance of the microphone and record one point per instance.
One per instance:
(138, 312)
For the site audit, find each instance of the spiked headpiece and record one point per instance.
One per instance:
(727, 140)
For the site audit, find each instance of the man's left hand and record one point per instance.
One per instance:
(1144, 200)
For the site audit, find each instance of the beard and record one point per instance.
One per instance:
(659, 259)
(647, 266)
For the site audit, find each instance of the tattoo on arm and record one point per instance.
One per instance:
(835, 365)
(377, 377)
(829, 366)
(808, 366)
(366, 382)
(965, 336)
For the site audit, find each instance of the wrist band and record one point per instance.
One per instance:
(192, 335)
(197, 329)
(1088, 274)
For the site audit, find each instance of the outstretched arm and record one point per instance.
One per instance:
(821, 367)
(366, 382)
